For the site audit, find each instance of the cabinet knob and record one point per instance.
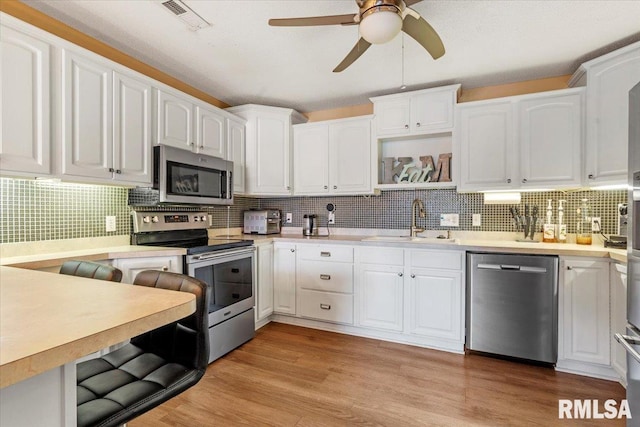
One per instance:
(591, 176)
(326, 187)
(202, 146)
(335, 187)
(325, 277)
(325, 306)
(165, 268)
(292, 250)
(418, 124)
(406, 126)
(118, 171)
(569, 267)
(192, 144)
(413, 276)
(509, 181)
(400, 274)
(524, 180)
(288, 187)
(112, 170)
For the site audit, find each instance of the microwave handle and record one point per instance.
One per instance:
(229, 184)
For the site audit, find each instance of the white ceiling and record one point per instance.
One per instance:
(240, 59)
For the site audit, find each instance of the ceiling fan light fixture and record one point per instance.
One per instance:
(380, 24)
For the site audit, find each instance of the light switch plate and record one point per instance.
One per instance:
(110, 223)
(289, 219)
(331, 218)
(476, 220)
(449, 220)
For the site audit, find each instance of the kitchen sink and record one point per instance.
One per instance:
(409, 239)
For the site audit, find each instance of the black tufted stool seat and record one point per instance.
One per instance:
(91, 270)
(150, 370)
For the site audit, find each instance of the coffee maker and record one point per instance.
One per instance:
(310, 225)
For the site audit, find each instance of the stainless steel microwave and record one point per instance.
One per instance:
(182, 177)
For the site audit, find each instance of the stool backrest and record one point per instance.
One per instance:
(187, 340)
(91, 270)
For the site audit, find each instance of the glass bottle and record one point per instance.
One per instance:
(583, 236)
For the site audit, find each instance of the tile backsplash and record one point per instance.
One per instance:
(37, 210)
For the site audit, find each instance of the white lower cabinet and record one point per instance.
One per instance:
(132, 266)
(618, 318)
(380, 296)
(284, 278)
(264, 285)
(583, 318)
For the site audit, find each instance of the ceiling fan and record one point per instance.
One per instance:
(379, 21)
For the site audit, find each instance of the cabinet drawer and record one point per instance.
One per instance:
(325, 276)
(326, 306)
(325, 253)
(381, 256)
(450, 260)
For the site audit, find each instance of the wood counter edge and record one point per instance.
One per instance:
(27, 367)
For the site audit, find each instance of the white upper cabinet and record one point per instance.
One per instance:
(131, 128)
(24, 123)
(211, 138)
(332, 157)
(268, 148)
(87, 116)
(174, 120)
(414, 113)
(485, 135)
(106, 117)
(522, 142)
(236, 153)
(608, 79)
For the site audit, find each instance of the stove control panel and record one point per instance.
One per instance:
(165, 221)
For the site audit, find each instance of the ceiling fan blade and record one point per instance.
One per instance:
(424, 34)
(411, 2)
(355, 53)
(313, 20)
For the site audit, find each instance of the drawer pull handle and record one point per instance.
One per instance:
(325, 277)
(325, 254)
(325, 306)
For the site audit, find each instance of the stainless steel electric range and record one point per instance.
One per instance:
(226, 266)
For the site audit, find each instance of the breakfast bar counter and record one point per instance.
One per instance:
(47, 321)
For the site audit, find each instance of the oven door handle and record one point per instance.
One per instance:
(221, 254)
(627, 342)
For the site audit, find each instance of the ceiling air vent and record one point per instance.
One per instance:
(194, 21)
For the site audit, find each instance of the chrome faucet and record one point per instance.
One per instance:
(414, 229)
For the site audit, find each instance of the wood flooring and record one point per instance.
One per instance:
(293, 376)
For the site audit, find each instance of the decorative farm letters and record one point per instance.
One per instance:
(404, 170)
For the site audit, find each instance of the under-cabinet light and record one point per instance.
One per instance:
(501, 198)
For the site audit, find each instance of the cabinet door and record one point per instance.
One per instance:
(87, 131)
(585, 311)
(210, 132)
(350, 157)
(435, 304)
(487, 146)
(264, 294)
(618, 318)
(236, 154)
(551, 140)
(132, 266)
(392, 117)
(380, 297)
(272, 170)
(24, 122)
(608, 117)
(174, 121)
(132, 129)
(284, 278)
(310, 159)
(432, 111)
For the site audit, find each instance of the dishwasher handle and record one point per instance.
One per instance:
(510, 267)
(627, 342)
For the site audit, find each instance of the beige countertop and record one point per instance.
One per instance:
(47, 320)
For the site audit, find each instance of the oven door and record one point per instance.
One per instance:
(229, 276)
(185, 177)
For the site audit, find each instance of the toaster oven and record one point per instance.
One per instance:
(265, 221)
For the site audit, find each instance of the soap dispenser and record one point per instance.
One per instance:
(562, 227)
(549, 228)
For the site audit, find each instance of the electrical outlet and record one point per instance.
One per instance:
(449, 220)
(596, 223)
(476, 220)
(110, 223)
(331, 218)
(289, 218)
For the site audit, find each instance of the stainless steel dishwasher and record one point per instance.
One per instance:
(512, 305)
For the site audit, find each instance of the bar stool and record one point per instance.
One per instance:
(152, 368)
(91, 270)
